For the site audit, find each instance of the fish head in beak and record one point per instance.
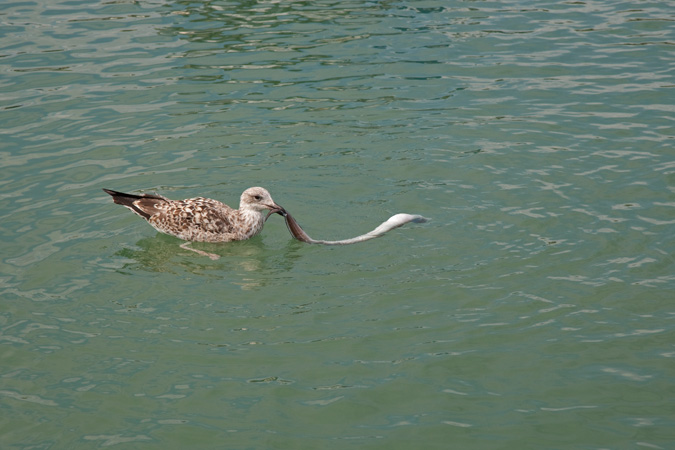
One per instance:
(276, 209)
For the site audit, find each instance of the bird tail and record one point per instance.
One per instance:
(129, 200)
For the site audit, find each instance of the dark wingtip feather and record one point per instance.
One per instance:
(120, 194)
(127, 200)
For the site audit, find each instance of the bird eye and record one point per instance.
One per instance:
(257, 197)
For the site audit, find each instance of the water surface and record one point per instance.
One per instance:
(534, 311)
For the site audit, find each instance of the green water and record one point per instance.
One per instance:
(534, 311)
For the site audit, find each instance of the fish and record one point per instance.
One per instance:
(395, 221)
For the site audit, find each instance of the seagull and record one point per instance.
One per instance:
(202, 219)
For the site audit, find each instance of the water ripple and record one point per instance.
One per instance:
(538, 138)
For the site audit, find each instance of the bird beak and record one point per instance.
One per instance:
(276, 209)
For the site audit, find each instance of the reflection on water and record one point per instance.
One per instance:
(162, 253)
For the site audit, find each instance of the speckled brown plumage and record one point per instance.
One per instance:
(202, 219)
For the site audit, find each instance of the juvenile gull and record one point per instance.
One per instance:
(202, 219)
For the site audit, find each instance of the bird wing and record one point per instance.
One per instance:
(187, 217)
(144, 205)
(149, 205)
